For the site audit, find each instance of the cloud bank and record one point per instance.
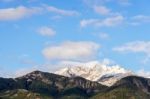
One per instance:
(71, 51)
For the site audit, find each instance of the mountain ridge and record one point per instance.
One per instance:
(130, 87)
(95, 71)
(51, 84)
(44, 85)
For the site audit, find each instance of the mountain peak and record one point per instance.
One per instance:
(36, 72)
(94, 71)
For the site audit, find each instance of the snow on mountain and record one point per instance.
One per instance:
(95, 71)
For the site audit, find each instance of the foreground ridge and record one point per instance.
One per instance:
(44, 85)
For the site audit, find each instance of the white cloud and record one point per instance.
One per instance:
(41, 67)
(107, 22)
(138, 19)
(18, 12)
(136, 47)
(5, 72)
(62, 11)
(52, 67)
(71, 51)
(105, 61)
(103, 10)
(76, 63)
(103, 35)
(143, 73)
(102, 2)
(24, 71)
(124, 2)
(46, 31)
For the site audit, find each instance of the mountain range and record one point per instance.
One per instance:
(49, 85)
(44, 85)
(100, 72)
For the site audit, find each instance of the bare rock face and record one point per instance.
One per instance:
(135, 82)
(53, 86)
(48, 83)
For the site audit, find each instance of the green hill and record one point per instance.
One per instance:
(52, 85)
(131, 87)
(42, 85)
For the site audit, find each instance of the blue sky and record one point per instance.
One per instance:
(37, 34)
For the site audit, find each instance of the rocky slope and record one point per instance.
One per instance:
(43, 85)
(52, 85)
(22, 94)
(131, 87)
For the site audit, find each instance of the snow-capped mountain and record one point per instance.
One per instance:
(95, 71)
